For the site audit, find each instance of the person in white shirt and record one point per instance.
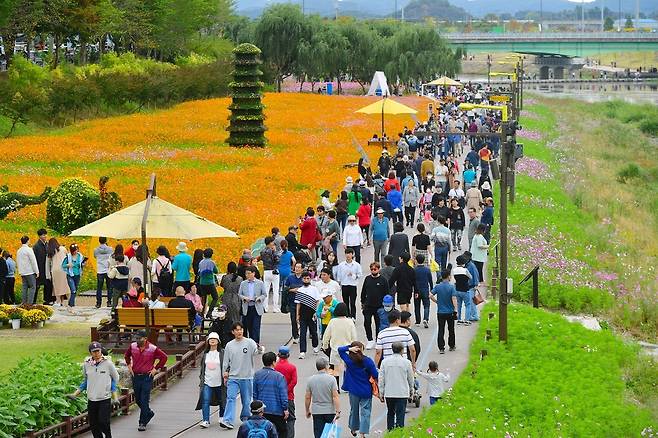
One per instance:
(102, 254)
(435, 381)
(26, 262)
(348, 274)
(396, 380)
(211, 378)
(353, 237)
(441, 175)
(456, 192)
(326, 285)
(391, 335)
(306, 300)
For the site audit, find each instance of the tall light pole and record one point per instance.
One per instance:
(541, 16)
(395, 10)
(602, 18)
(619, 22)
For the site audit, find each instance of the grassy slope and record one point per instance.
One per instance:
(553, 378)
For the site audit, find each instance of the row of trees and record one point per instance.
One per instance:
(311, 48)
(161, 29)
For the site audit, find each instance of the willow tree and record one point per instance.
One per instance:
(246, 120)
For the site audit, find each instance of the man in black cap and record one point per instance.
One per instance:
(101, 380)
(257, 422)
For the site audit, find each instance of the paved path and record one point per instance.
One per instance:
(175, 415)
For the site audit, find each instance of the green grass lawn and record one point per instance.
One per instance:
(70, 339)
(553, 378)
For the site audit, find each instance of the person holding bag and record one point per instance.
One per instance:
(211, 390)
(360, 381)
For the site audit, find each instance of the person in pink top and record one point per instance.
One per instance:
(195, 298)
(364, 214)
(310, 230)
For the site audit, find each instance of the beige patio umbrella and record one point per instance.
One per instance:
(445, 81)
(160, 218)
(164, 221)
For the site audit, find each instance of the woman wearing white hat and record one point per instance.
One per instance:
(211, 391)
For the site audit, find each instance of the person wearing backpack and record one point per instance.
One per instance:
(257, 426)
(162, 276)
(207, 284)
(118, 276)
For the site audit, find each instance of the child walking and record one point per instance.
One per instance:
(435, 381)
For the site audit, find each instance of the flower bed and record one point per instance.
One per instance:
(247, 190)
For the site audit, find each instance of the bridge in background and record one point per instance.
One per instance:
(555, 44)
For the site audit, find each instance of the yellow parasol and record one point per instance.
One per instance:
(386, 106)
(445, 81)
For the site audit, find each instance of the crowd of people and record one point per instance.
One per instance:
(314, 273)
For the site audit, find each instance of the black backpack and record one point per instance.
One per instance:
(165, 277)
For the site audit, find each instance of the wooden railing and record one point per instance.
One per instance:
(73, 426)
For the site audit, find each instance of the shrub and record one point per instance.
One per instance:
(31, 317)
(33, 394)
(73, 204)
(630, 171)
(650, 126)
(12, 201)
(3, 317)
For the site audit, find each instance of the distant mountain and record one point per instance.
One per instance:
(439, 9)
(480, 8)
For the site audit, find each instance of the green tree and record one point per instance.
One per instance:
(629, 23)
(608, 24)
(279, 32)
(362, 42)
(19, 17)
(24, 93)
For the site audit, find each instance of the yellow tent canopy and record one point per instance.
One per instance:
(445, 81)
(386, 106)
(164, 221)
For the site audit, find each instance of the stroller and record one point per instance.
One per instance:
(415, 396)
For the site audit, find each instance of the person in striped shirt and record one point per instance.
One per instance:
(306, 300)
(394, 333)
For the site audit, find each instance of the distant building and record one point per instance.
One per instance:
(642, 23)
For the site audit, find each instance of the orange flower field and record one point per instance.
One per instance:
(246, 190)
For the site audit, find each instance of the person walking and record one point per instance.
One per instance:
(322, 400)
(473, 223)
(118, 276)
(375, 288)
(73, 265)
(462, 285)
(306, 302)
(29, 270)
(396, 381)
(392, 334)
(364, 216)
(341, 330)
(181, 266)
(441, 239)
(473, 284)
(457, 223)
(230, 298)
(289, 371)
(100, 380)
(394, 196)
(353, 238)
(348, 274)
(144, 360)
(102, 254)
(360, 370)
(424, 285)
(399, 243)
(444, 295)
(270, 257)
(252, 293)
(3, 278)
(256, 425)
(410, 199)
(271, 388)
(8, 296)
(404, 281)
(40, 252)
(487, 218)
(238, 371)
(474, 197)
(380, 233)
(211, 390)
(435, 381)
(479, 247)
(207, 283)
(55, 257)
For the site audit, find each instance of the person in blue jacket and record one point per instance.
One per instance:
(359, 369)
(394, 196)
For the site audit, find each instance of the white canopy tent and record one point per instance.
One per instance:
(379, 82)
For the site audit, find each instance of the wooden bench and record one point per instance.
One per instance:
(166, 300)
(159, 318)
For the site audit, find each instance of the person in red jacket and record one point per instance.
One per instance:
(141, 359)
(310, 231)
(289, 371)
(391, 182)
(364, 214)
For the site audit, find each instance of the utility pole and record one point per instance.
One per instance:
(619, 22)
(637, 12)
(504, 180)
(395, 11)
(541, 16)
(602, 18)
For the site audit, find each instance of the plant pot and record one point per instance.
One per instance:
(15, 324)
(40, 324)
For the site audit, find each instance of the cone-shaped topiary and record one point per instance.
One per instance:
(246, 120)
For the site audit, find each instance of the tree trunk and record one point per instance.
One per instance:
(338, 85)
(56, 52)
(363, 86)
(9, 41)
(11, 130)
(301, 85)
(279, 81)
(83, 51)
(312, 86)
